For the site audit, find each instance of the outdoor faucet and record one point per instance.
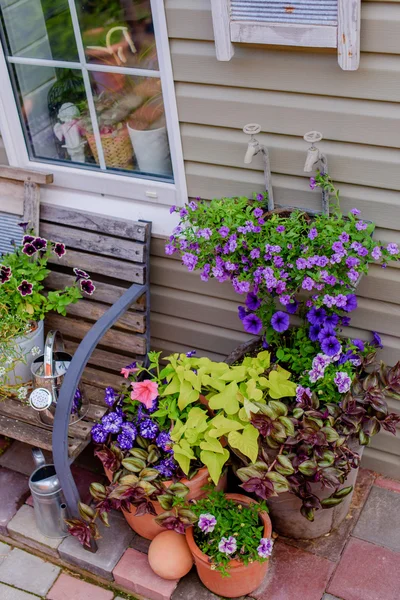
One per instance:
(316, 157)
(253, 148)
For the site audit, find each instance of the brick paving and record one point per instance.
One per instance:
(359, 561)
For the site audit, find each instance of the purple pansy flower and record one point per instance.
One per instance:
(331, 346)
(25, 288)
(207, 522)
(342, 381)
(87, 286)
(265, 548)
(112, 422)
(99, 434)
(40, 243)
(109, 396)
(59, 249)
(148, 429)
(29, 249)
(252, 324)
(280, 321)
(227, 545)
(252, 301)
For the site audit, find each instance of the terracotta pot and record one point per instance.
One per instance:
(242, 579)
(146, 526)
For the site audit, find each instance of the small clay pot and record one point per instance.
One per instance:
(243, 579)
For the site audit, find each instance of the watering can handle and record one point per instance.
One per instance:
(54, 343)
(38, 457)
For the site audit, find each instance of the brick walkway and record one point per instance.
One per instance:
(359, 561)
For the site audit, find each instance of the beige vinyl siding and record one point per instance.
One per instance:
(3, 155)
(288, 91)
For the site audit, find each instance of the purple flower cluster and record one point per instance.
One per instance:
(265, 548)
(342, 381)
(207, 522)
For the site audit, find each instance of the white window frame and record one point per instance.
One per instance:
(85, 180)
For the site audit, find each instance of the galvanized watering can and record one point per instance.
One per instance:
(48, 500)
(48, 372)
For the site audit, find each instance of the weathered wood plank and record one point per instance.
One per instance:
(105, 292)
(101, 379)
(31, 204)
(284, 34)
(349, 21)
(12, 197)
(77, 329)
(123, 228)
(17, 174)
(92, 311)
(104, 265)
(102, 358)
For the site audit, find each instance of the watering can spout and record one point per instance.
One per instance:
(38, 457)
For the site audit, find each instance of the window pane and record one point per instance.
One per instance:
(38, 29)
(50, 101)
(130, 113)
(118, 32)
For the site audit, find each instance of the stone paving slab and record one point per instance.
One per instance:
(10, 593)
(18, 457)
(27, 572)
(389, 484)
(191, 588)
(377, 522)
(331, 546)
(134, 574)
(23, 528)
(330, 597)
(294, 573)
(13, 492)
(140, 544)
(5, 550)
(72, 588)
(113, 543)
(366, 572)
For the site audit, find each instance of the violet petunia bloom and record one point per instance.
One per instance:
(351, 303)
(129, 429)
(280, 229)
(342, 381)
(341, 301)
(252, 301)
(192, 205)
(40, 243)
(190, 261)
(87, 286)
(191, 353)
(183, 212)
(359, 344)
(329, 300)
(125, 442)
(331, 346)
(326, 332)
(264, 550)
(99, 434)
(376, 253)
(112, 423)
(148, 429)
(29, 249)
(376, 340)
(170, 249)
(109, 396)
(255, 253)
(292, 307)
(331, 320)
(207, 522)
(163, 441)
(314, 332)
(280, 321)
(392, 249)
(307, 284)
(5, 274)
(166, 467)
(25, 288)
(80, 274)
(242, 312)
(227, 545)
(252, 324)
(360, 225)
(172, 209)
(344, 237)
(24, 226)
(301, 263)
(302, 393)
(59, 249)
(316, 316)
(355, 212)
(313, 183)
(258, 212)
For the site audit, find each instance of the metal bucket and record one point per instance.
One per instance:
(48, 500)
(48, 373)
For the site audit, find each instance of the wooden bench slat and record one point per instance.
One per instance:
(76, 329)
(18, 174)
(101, 379)
(94, 242)
(103, 265)
(123, 228)
(105, 292)
(94, 310)
(102, 358)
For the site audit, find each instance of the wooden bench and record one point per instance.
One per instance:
(115, 252)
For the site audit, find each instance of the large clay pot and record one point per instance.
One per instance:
(146, 526)
(242, 579)
(21, 374)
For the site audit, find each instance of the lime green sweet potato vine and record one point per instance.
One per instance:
(233, 393)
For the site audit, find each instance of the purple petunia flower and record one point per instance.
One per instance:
(313, 183)
(341, 301)
(170, 249)
(258, 212)
(112, 422)
(5, 274)
(99, 434)
(25, 288)
(392, 248)
(205, 233)
(80, 274)
(280, 321)
(352, 261)
(148, 429)
(191, 353)
(129, 429)
(307, 284)
(351, 303)
(40, 243)
(59, 249)
(190, 261)
(301, 263)
(355, 212)
(302, 392)
(163, 441)
(360, 225)
(331, 346)
(278, 261)
(29, 249)
(331, 320)
(316, 316)
(166, 467)
(376, 253)
(242, 312)
(204, 275)
(329, 300)
(192, 205)
(252, 301)
(265, 548)
(280, 229)
(87, 286)
(172, 209)
(337, 247)
(255, 253)
(183, 212)
(345, 321)
(314, 332)
(109, 396)
(24, 226)
(125, 441)
(322, 261)
(260, 197)
(240, 287)
(292, 307)
(344, 237)
(359, 344)
(227, 545)
(326, 332)
(376, 340)
(207, 522)
(28, 239)
(362, 251)
(342, 381)
(252, 324)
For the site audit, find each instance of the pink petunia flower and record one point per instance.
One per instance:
(145, 392)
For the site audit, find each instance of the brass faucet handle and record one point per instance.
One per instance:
(252, 129)
(313, 137)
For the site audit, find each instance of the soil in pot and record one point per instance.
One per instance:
(243, 579)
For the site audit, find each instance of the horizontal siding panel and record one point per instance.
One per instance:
(380, 23)
(3, 155)
(386, 463)
(214, 181)
(356, 164)
(168, 348)
(345, 120)
(314, 73)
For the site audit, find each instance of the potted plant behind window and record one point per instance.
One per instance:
(290, 264)
(24, 304)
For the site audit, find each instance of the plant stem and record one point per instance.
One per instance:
(274, 462)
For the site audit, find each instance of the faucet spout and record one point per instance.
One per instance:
(313, 156)
(252, 149)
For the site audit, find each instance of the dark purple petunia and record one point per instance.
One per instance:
(351, 303)
(314, 332)
(24, 226)
(129, 429)
(359, 344)
(112, 422)
(331, 346)
(264, 343)
(59, 249)
(5, 274)
(28, 239)
(376, 340)
(316, 316)
(252, 324)
(148, 429)
(99, 434)
(331, 320)
(242, 312)
(252, 301)
(29, 249)
(87, 286)
(125, 441)
(163, 441)
(327, 331)
(292, 307)
(345, 321)
(40, 243)
(25, 289)
(191, 353)
(280, 321)
(80, 274)
(166, 467)
(109, 396)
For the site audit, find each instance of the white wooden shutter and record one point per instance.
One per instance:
(307, 23)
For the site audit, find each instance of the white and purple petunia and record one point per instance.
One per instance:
(265, 548)
(227, 545)
(342, 381)
(207, 522)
